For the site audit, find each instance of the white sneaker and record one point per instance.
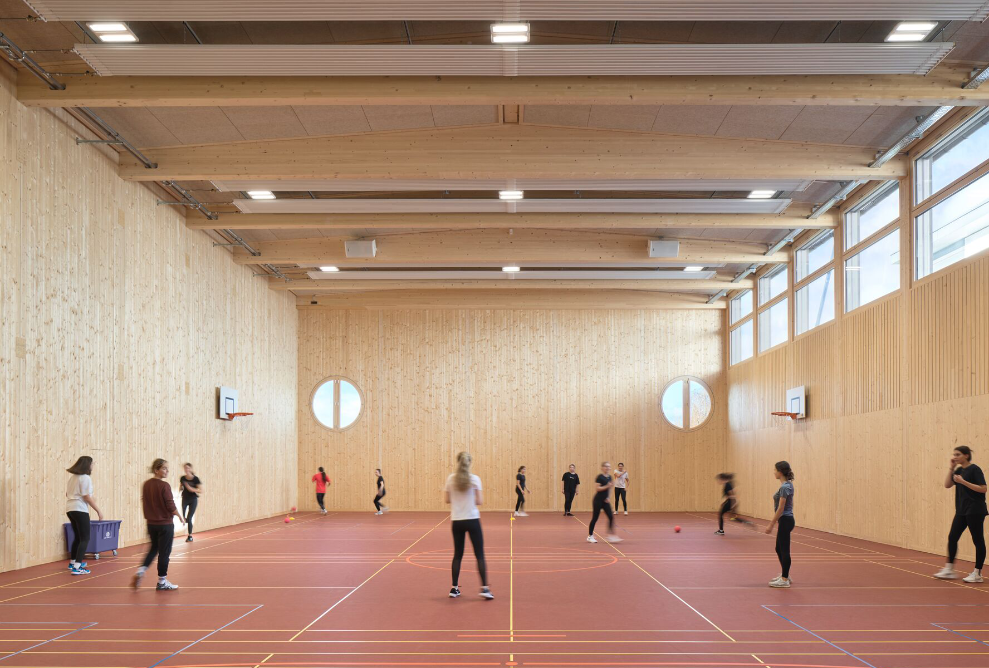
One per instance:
(165, 585)
(612, 538)
(379, 513)
(779, 576)
(974, 576)
(947, 573)
(385, 509)
(780, 584)
(592, 539)
(523, 514)
(626, 512)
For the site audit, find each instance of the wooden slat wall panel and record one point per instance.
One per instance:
(116, 325)
(541, 388)
(870, 358)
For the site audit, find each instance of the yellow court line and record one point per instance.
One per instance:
(265, 659)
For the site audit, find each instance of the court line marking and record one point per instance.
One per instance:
(981, 642)
(4, 658)
(511, 579)
(837, 647)
(174, 654)
(400, 528)
(673, 593)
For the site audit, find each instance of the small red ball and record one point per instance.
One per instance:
(677, 529)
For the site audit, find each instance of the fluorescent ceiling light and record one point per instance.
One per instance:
(118, 37)
(925, 26)
(906, 37)
(911, 31)
(511, 194)
(329, 269)
(511, 270)
(693, 268)
(107, 27)
(509, 33)
(260, 194)
(761, 194)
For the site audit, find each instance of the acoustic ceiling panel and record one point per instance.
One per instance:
(758, 206)
(494, 10)
(421, 185)
(498, 60)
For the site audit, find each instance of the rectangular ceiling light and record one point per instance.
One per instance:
(260, 194)
(911, 31)
(112, 32)
(761, 194)
(493, 60)
(693, 268)
(425, 185)
(511, 195)
(510, 33)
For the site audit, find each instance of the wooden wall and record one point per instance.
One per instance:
(117, 324)
(536, 387)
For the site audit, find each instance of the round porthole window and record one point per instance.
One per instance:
(687, 403)
(337, 403)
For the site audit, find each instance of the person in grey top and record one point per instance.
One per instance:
(783, 504)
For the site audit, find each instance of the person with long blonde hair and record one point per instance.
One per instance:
(464, 494)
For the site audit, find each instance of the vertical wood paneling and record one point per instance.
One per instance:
(116, 325)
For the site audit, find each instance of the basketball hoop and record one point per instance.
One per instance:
(781, 418)
(231, 416)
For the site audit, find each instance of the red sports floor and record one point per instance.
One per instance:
(352, 589)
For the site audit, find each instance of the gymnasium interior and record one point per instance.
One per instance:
(694, 238)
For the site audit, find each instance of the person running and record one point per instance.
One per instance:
(463, 494)
(159, 509)
(380, 482)
(970, 512)
(730, 503)
(321, 480)
(621, 484)
(79, 499)
(783, 504)
(603, 485)
(192, 487)
(520, 491)
(571, 487)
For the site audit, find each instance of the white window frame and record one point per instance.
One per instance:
(865, 204)
(849, 281)
(336, 403)
(686, 402)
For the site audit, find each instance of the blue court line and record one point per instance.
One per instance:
(215, 631)
(91, 624)
(840, 649)
(981, 642)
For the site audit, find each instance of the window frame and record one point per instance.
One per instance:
(732, 300)
(871, 194)
(829, 267)
(861, 248)
(781, 268)
(687, 379)
(750, 318)
(783, 296)
(930, 145)
(808, 242)
(336, 403)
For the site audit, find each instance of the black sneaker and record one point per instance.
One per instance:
(719, 532)
(486, 593)
(454, 592)
(189, 539)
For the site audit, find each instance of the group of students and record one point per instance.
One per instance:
(322, 481)
(158, 505)
(571, 488)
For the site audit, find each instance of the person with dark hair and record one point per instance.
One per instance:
(729, 503)
(621, 484)
(970, 512)
(463, 494)
(159, 509)
(783, 504)
(380, 508)
(571, 486)
(520, 491)
(321, 480)
(192, 487)
(79, 499)
(602, 486)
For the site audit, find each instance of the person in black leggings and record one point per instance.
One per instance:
(970, 512)
(191, 489)
(602, 487)
(463, 493)
(571, 487)
(520, 491)
(79, 499)
(379, 507)
(783, 503)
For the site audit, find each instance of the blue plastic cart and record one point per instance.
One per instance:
(104, 536)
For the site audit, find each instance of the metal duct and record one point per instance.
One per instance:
(516, 276)
(420, 185)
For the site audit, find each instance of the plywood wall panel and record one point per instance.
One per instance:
(116, 325)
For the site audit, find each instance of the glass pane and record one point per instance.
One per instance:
(815, 303)
(959, 153)
(700, 404)
(953, 230)
(322, 403)
(741, 343)
(773, 325)
(815, 255)
(873, 214)
(350, 404)
(874, 272)
(772, 284)
(741, 306)
(673, 404)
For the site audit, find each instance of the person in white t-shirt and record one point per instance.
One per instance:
(621, 485)
(78, 499)
(463, 493)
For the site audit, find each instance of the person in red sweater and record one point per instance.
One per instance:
(159, 509)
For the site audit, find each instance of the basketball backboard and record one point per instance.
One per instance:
(227, 403)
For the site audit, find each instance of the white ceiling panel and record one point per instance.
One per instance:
(758, 206)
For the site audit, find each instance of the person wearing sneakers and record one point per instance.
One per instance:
(321, 480)
(192, 487)
(159, 509)
(379, 507)
(783, 503)
(79, 499)
(602, 486)
(520, 491)
(621, 484)
(970, 512)
(729, 503)
(463, 493)
(571, 486)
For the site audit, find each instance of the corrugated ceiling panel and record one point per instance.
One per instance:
(764, 206)
(495, 60)
(423, 185)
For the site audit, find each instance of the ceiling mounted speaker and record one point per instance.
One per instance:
(361, 248)
(664, 248)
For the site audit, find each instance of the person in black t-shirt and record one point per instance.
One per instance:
(379, 507)
(729, 503)
(191, 489)
(520, 491)
(970, 512)
(602, 488)
(571, 481)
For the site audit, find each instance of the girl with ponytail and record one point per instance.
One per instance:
(321, 481)
(463, 493)
(783, 500)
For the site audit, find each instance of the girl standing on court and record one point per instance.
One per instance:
(321, 481)
(602, 485)
(783, 503)
(379, 507)
(191, 488)
(159, 509)
(970, 512)
(621, 484)
(520, 491)
(463, 493)
(79, 498)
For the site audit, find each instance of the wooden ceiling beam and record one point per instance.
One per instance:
(309, 286)
(507, 299)
(510, 152)
(530, 248)
(943, 86)
(794, 217)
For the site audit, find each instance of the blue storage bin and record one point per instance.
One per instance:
(104, 536)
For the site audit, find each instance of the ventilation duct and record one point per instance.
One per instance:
(420, 185)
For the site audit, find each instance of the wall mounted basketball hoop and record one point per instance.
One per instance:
(780, 418)
(231, 416)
